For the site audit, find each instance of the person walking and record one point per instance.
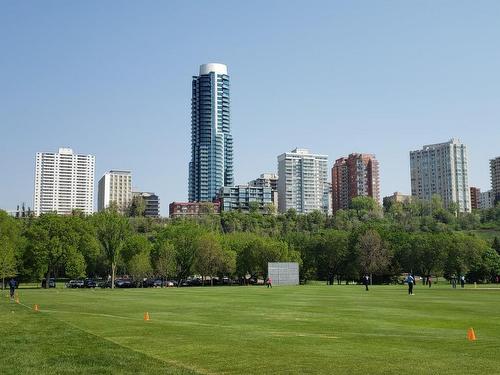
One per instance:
(429, 280)
(410, 280)
(12, 287)
(269, 282)
(462, 281)
(366, 281)
(453, 281)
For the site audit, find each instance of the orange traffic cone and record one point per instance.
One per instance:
(36, 308)
(471, 336)
(146, 316)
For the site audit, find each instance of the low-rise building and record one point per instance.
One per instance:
(245, 198)
(398, 197)
(192, 209)
(268, 180)
(151, 202)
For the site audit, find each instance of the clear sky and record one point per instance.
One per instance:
(113, 79)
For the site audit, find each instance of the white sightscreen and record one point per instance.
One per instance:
(282, 273)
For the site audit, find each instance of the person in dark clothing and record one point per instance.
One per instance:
(12, 287)
(410, 280)
(366, 281)
(453, 281)
(462, 281)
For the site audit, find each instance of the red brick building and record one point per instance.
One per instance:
(474, 197)
(353, 176)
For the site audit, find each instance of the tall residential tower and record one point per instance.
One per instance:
(64, 182)
(441, 169)
(354, 176)
(495, 178)
(302, 181)
(211, 165)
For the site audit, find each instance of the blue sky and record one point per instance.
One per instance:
(113, 79)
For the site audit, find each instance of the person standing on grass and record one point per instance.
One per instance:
(462, 281)
(410, 280)
(429, 280)
(366, 281)
(453, 281)
(12, 287)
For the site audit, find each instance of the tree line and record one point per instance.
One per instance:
(423, 238)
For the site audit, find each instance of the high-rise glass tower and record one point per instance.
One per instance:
(211, 165)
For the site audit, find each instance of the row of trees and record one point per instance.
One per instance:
(423, 238)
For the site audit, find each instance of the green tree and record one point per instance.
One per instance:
(139, 266)
(184, 236)
(137, 206)
(209, 256)
(50, 239)
(75, 264)
(373, 254)
(112, 230)
(134, 244)
(333, 248)
(164, 259)
(9, 241)
(429, 252)
(485, 268)
(496, 245)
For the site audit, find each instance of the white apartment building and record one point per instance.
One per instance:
(495, 178)
(302, 180)
(486, 200)
(115, 186)
(64, 182)
(441, 169)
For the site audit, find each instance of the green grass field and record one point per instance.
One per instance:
(244, 330)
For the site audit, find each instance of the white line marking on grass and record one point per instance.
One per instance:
(164, 360)
(302, 334)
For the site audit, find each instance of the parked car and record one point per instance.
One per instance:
(75, 284)
(105, 284)
(52, 283)
(89, 283)
(153, 283)
(123, 283)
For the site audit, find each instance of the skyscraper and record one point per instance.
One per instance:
(115, 186)
(64, 182)
(211, 165)
(302, 181)
(354, 176)
(441, 169)
(495, 178)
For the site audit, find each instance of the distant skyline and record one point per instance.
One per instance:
(113, 79)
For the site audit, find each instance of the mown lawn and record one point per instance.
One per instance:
(252, 330)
